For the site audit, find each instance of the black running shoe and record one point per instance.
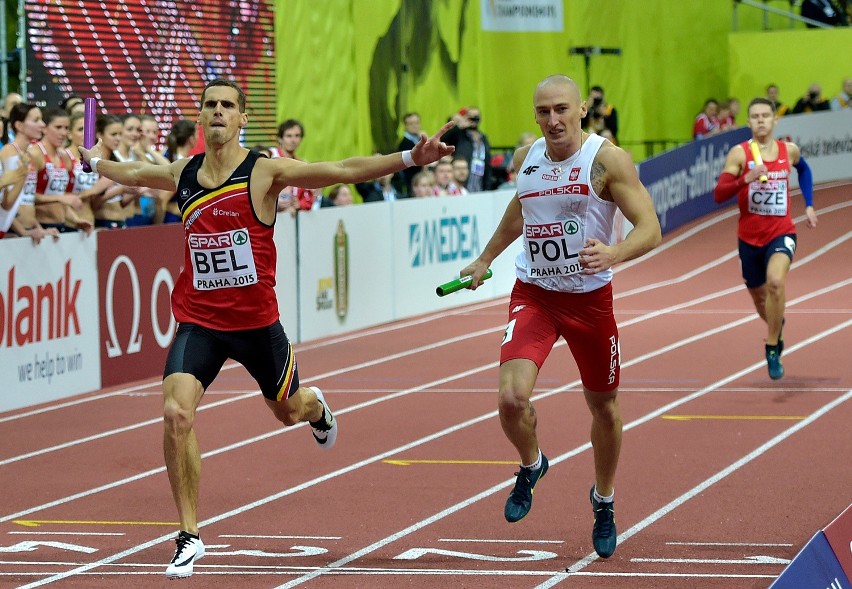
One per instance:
(520, 499)
(604, 536)
(189, 549)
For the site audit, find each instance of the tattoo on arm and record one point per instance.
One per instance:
(598, 179)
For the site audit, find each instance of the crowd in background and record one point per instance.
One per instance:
(716, 117)
(46, 190)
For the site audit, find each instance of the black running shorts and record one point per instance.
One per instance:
(265, 352)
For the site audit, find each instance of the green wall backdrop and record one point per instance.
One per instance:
(793, 60)
(349, 69)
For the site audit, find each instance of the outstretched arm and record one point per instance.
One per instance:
(137, 173)
(289, 172)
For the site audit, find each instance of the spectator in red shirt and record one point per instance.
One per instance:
(706, 123)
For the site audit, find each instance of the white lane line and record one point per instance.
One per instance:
(406, 392)
(439, 315)
(382, 456)
(487, 493)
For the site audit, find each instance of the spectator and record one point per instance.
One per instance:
(293, 199)
(824, 11)
(110, 206)
(471, 144)
(772, 95)
(179, 143)
(728, 111)
(26, 123)
(461, 173)
(526, 138)
(601, 116)
(84, 184)
(73, 104)
(10, 101)
(423, 184)
(444, 185)
(55, 205)
(812, 101)
(410, 137)
(706, 123)
(339, 196)
(844, 99)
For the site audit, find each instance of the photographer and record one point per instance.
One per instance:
(602, 118)
(812, 101)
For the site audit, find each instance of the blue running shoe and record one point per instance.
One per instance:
(773, 362)
(604, 536)
(520, 499)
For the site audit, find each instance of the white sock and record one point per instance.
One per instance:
(535, 465)
(601, 499)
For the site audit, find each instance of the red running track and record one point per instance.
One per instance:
(724, 474)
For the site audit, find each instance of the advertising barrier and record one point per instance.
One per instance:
(137, 270)
(84, 312)
(48, 320)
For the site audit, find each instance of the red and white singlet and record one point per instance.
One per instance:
(765, 206)
(561, 211)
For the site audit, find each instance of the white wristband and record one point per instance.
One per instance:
(93, 163)
(407, 159)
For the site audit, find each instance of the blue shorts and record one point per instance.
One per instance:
(265, 352)
(754, 259)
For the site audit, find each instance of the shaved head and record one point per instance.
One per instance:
(559, 80)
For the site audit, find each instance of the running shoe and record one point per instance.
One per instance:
(520, 499)
(773, 362)
(189, 549)
(324, 430)
(604, 536)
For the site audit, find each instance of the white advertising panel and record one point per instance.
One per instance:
(48, 320)
(345, 269)
(434, 238)
(825, 139)
(287, 274)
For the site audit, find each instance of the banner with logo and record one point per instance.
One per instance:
(522, 16)
(345, 269)
(48, 335)
(138, 268)
(434, 238)
(681, 181)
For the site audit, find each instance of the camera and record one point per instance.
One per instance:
(813, 96)
(597, 101)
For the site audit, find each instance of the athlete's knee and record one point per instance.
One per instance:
(775, 285)
(513, 401)
(177, 418)
(604, 408)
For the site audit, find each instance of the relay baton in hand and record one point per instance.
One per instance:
(89, 116)
(459, 283)
(758, 160)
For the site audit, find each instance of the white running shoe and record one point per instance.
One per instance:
(189, 549)
(325, 432)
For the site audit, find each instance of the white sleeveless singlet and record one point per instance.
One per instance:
(561, 211)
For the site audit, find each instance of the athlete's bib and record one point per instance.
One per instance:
(768, 198)
(553, 248)
(222, 260)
